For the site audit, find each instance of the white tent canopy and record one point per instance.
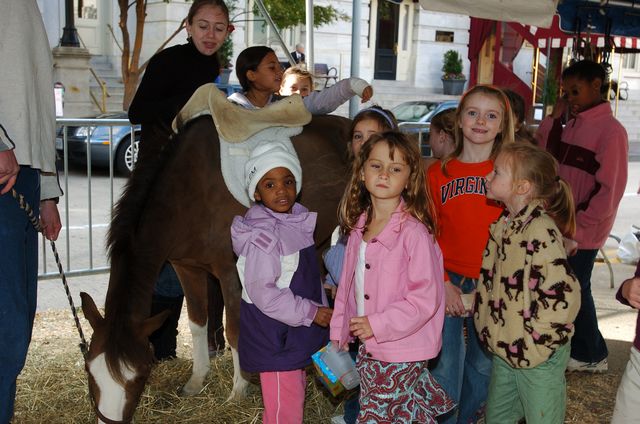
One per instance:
(530, 12)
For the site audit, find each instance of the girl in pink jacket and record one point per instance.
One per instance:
(391, 294)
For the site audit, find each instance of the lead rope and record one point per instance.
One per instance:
(36, 224)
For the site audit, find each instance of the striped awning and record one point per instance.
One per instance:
(541, 37)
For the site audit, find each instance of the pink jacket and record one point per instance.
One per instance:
(404, 291)
(593, 140)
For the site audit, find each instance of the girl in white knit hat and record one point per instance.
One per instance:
(283, 312)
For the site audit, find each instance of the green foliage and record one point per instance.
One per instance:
(452, 65)
(289, 13)
(225, 53)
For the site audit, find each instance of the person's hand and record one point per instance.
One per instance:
(453, 301)
(360, 328)
(336, 345)
(560, 108)
(9, 169)
(323, 316)
(332, 289)
(570, 246)
(367, 94)
(631, 291)
(50, 219)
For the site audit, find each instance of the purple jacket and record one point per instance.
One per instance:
(281, 289)
(636, 341)
(404, 291)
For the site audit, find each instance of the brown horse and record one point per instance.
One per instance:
(179, 209)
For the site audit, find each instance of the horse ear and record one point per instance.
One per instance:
(90, 311)
(151, 324)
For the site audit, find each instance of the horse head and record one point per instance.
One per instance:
(116, 383)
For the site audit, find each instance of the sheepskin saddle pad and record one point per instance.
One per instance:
(240, 130)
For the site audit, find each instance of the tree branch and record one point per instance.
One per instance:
(171, 37)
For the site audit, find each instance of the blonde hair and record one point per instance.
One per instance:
(529, 162)
(507, 126)
(299, 72)
(357, 200)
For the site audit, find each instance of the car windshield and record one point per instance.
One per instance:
(413, 111)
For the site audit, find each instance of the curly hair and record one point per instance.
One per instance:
(356, 200)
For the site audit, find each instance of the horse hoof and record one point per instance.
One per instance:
(191, 390)
(239, 391)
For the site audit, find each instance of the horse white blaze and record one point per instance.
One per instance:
(200, 359)
(112, 394)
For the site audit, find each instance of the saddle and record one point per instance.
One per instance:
(240, 130)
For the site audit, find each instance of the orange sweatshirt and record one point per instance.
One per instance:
(464, 213)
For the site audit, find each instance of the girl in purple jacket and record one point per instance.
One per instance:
(283, 312)
(391, 293)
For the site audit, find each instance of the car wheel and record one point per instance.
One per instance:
(127, 156)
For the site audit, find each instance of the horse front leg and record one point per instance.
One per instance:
(194, 284)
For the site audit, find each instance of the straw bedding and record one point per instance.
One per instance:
(53, 389)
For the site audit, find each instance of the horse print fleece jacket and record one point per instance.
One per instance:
(527, 296)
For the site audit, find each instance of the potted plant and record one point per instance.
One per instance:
(225, 55)
(453, 79)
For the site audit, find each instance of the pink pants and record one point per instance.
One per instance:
(283, 396)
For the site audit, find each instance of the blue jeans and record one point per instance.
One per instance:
(352, 403)
(18, 284)
(168, 283)
(587, 344)
(462, 369)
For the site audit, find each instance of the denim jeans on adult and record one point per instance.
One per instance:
(18, 284)
(587, 344)
(462, 369)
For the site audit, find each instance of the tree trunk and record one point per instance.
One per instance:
(130, 59)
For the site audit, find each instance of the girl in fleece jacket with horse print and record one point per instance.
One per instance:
(527, 296)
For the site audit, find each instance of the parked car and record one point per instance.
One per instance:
(414, 118)
(124, 156)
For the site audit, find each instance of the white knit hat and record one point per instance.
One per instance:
(266, 157)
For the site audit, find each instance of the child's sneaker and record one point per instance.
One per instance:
(593, 367)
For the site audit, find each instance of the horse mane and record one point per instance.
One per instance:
(125, 288)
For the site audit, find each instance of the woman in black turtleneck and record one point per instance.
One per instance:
(170, 79)
(176, 72)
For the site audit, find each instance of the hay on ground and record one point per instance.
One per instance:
(53, 386)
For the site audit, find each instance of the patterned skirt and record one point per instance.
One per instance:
(398, 392)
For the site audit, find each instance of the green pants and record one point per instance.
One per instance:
(537, 394)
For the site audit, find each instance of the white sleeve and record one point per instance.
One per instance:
(329, 99)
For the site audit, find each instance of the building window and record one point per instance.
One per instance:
(86, 9)
(444, 36)
(629, 61)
